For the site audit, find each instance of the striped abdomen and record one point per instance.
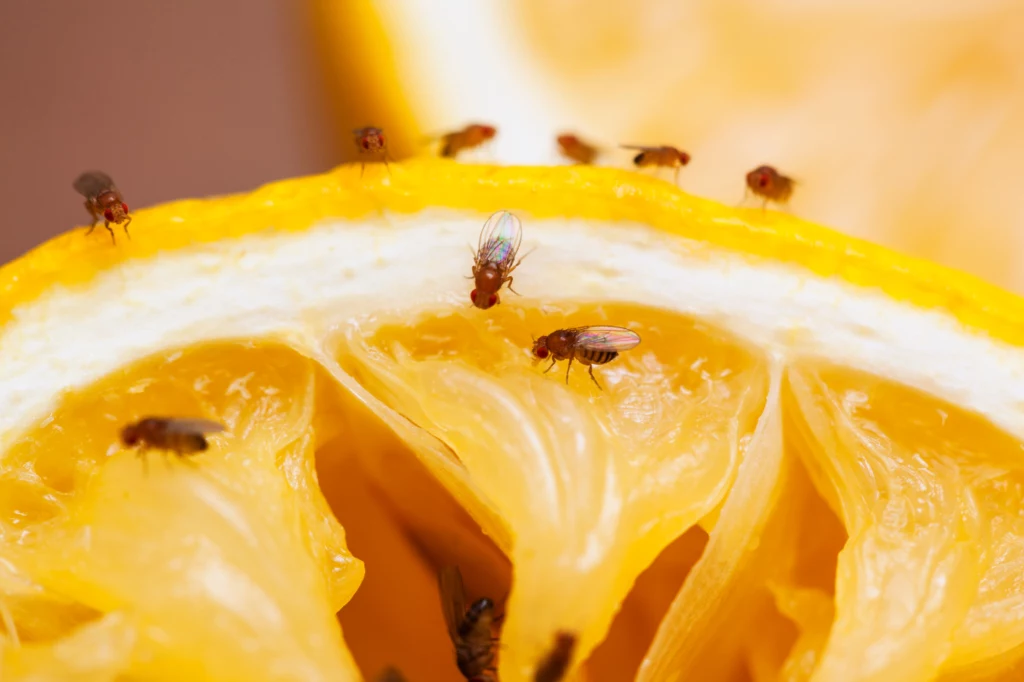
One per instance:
(187, 443)
(595, 357)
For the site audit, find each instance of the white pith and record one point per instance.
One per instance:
(296, 286)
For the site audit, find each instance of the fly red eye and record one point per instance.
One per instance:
(108, 214)
(124, 207)
(380, 138)
(492, 299)
(366, 143)
(541, 352)
(472, 296)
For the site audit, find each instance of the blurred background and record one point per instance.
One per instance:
(902, 120)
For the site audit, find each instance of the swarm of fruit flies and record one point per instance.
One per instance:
(471, 626)
(104, 202)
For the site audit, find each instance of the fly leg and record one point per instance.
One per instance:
(591, 370)
(509, 280)
(95, 217)
(551, 366)
(127, 223)
(567, 370)
(516, 264)
(106, 224)
(141, 453)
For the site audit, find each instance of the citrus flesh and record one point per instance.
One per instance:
(807, 469)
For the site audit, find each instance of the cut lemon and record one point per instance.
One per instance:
(808, 469)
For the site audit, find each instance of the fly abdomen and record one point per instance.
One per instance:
(474, 613)
(595, 357)
(187, 443)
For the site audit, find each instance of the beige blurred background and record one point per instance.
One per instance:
(902, 120)
(172, 98)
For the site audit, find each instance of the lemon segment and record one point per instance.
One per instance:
(916, 482)
(250, 557)
(609, 477)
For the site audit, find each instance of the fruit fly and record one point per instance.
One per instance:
(370, 141)
(575, 149)
(103, 201)
(770, 185)
(556, 663)
(471, 136)
(590, 346)
(390, 674)
(495, 258)
(665, 157)
(469, 628)
(180, 436)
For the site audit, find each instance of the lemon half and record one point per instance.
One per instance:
(821, 436)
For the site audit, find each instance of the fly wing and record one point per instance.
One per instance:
(92, 183)
(606, 338)
(500, 238)
(194, 426)
(453, 599)
(638, 147)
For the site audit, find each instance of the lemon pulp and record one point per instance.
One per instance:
(728, 505)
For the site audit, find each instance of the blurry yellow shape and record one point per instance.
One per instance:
(913, 143)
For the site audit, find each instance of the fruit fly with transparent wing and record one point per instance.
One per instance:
(770, 185)
(181, 436)
(589, 346)
(370, 142)
(469, 137)
(103, 201)
(469, 627)
(556, 662)
(575, 149)
(495, 258)
(664, 156)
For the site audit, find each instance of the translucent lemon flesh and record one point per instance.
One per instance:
(231, 564)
